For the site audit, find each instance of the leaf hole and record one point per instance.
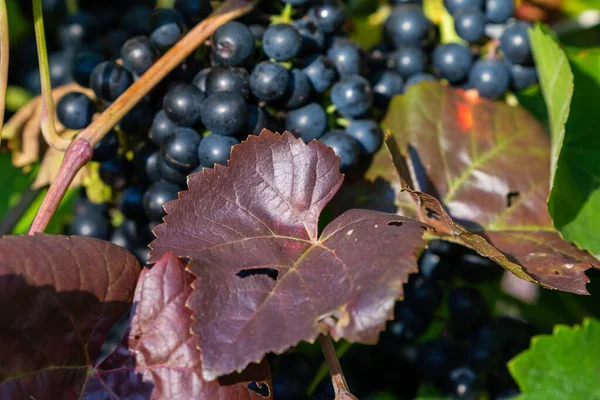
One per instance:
(511, 198)
(270, 272)
(432, 214)
(137, 337)
(395, 223)
(262, 390)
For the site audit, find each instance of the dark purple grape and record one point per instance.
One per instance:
(75, 110)
(322, 73)
(232, 44)
(91, 225)
(367, 133)
(299, 90)
(138, 120)
(469, 24)
(162, 127)
(156, 197)
(138, 54)
(344, 146)
(454, 6)
(282, 42)
(84, 63)
(352, 95)
(225, 113)
(346, 57)
(491, 78)
(386, 85)
(409, 61)
(330, 16)
(182, 104)
(215, 149)
(180, 150)
(452, 61)
(167, 26)
(308, 122)
(269, 81)
(499, 11)
(407, 26)
(194, 11)
(515, 44)
(109, 80)
(313, 37)
(107, 147)
(224, 79)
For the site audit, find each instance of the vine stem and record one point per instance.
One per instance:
(342, 392)
(4, 50)
(47, 113)
(81, 149)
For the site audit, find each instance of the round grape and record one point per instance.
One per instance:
(352, 95)
(515, 45)
(156, 197)
(180, 149)
(269, 80)
(469, 24)
(344, 146)
(407, 26)
(225, 113)
(182, 104)
(75, 110)
(491, 78)
(215, 149)
(452, 61)
(232, 44)
(409, 61)
(282, 42)
(308, 122)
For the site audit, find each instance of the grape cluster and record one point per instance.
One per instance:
(493, 57)
(301, 74)
(288, 65)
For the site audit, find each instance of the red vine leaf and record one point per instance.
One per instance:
(488, 164)
(59, 297)
(266, 279)
(158, 358)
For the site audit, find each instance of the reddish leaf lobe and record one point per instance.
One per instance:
(60, 296)
(488, 164)
(159, 359)
(267, 280)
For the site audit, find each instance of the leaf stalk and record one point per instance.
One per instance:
(335, 369)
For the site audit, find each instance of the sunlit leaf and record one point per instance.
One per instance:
(268, 279)
(564, 365)
(574, 201)
(488, 165)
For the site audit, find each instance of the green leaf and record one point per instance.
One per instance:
(437, 13)
(60, 218)
(575, 7)
(14, 182)
(569, 86)
(564, 365)
(556, 81)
